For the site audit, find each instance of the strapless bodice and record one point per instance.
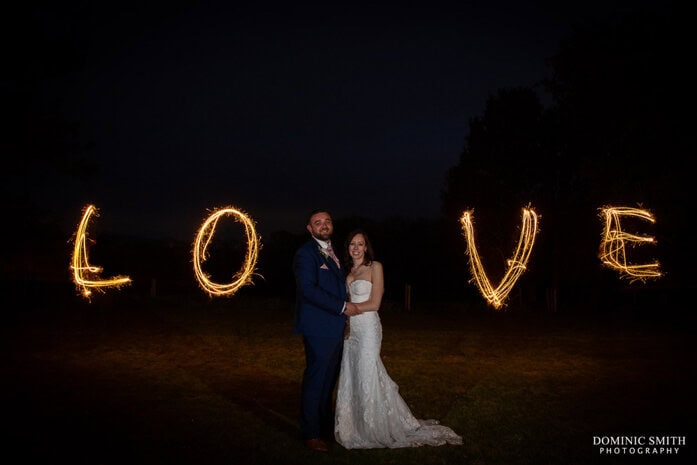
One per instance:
(360, 290)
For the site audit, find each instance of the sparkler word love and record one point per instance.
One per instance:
(612, 253)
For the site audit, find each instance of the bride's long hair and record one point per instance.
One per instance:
(369, 255)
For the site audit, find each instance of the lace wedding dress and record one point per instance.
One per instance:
(370, 413)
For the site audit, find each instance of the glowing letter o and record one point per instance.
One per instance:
(204, 237)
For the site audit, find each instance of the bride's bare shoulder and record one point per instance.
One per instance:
(375, 267)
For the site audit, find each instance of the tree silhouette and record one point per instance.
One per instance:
(612, 135)
(504, 167)
(618, 87)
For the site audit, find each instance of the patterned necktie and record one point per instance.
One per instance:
(333, 255)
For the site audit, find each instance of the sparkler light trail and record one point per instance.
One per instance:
(613, 251)
(496, 297)
(84, 274)
(203, 239)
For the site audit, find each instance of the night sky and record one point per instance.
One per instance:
(275, 110)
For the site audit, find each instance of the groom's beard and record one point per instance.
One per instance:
(324, 235)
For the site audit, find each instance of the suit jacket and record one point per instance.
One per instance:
(320, 293)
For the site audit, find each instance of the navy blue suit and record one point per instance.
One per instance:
(320, 298)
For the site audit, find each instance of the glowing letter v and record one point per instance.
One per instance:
(516, 265)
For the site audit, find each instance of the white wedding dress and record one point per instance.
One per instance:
(370, 413)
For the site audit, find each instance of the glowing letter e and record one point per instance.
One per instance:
(612, 245)
(516, 265)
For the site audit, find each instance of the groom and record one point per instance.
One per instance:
(321, 310)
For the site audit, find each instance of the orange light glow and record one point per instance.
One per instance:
(84, 274)
(613, 245)
(496, 297)
(203, 239)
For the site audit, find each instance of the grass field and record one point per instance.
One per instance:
(196, 381)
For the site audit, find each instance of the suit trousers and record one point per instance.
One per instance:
(322, 365)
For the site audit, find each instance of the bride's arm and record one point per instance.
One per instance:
(376, 292)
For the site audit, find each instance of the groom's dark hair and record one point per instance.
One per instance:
(314, 212)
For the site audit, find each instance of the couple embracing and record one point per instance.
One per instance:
(369, 411)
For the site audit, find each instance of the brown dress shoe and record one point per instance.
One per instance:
(317, 444)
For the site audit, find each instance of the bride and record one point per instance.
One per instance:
(370, 413)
